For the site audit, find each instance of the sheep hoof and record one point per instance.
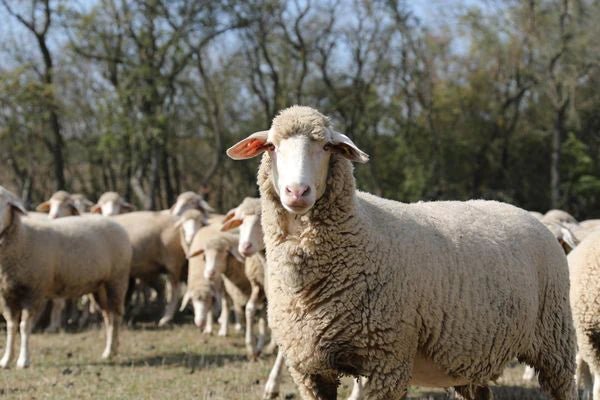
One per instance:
(107, 355)
(238, 327)
(270, 395)
(222, 332)
(164, 321)
(4, 363)
(22, 363)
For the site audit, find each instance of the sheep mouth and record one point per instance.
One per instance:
(298, 207)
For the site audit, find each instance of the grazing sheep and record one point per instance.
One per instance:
(440, 294)
(190, 201)
(559, 216)
(154, 237)
(222, 261)
(584, 265)
(111, 203)
(68, 257)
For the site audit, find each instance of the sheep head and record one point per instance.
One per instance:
(300, 143)
(9, 206)
(190, 201)
(59, 205)
(111, 203)
(247, 217)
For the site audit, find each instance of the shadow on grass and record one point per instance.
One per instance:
(190, 361)
(499, 392)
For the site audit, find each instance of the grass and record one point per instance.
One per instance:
(171, 363)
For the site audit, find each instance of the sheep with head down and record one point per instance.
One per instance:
(68, 257)
(440, 294)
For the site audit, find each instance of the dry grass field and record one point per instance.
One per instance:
(169, 363)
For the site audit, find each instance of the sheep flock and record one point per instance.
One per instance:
(324, 282)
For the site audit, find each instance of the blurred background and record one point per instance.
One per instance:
(452, 99)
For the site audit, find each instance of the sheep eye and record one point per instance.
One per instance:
(327, 147)
(269, 146)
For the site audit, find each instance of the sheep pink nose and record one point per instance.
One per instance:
(297, 190)
(245, 247)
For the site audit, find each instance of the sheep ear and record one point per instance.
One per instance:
(230, 221)
(73, 209)
(96, 209)
(233, 250)
(17, 206)
(195, 253)
(205, 206)
(127, 206)
(568, 238)
(43, 207)
(346, 147)
(252, 146)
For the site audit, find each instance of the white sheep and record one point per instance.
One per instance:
(68, 257)
(111, 203)
(440, 294)
(63, 204)
(246, 216)
(190, 201)
(559, 216)
(222, 261)
(156, 250)
(584, 265)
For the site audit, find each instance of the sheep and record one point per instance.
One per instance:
(63, 204)
(440, 294)
(190, 200)
(156, 249)
(558, 216)
(60, 204)
(201, 291)
(65, 258)
(246, 216)
(223, 261)
(111, 203)
(584, 268)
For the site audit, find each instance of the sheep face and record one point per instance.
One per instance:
(190, 201)
(60, 205)
(248, 221)
(190, 222)
(251, 236)
(299, 143)
(111, 203)
(215, 254)
(9, 205)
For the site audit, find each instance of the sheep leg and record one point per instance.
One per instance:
(58, 306)
(172, 305)
(224, 317)
(262, 332)
(27, 318)
(583, 378)
(318, 386)
(11, 317)
(238, 316)
(388, 384)
(272, 385)
(251, 348)
(208, 328)
(357, 390)
(111, 321)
